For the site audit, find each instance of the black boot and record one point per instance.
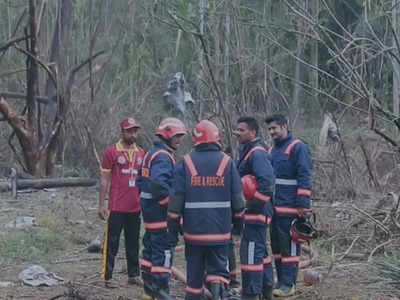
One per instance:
(267, 292)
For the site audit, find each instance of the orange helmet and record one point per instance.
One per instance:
(206, 132)
(302, 230)
(250, 185)
(170, 127)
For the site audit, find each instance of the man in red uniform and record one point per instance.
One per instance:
(119, 171)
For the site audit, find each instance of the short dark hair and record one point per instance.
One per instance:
(251, 123)
(279, 119)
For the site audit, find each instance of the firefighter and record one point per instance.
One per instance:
(257, 273)
(207, 193)
(155, 182)
(291, 160)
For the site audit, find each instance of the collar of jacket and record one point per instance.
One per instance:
(207, 147)
(162, 144)
(284, 141)
(244, 148)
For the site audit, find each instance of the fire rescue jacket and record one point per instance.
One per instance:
(291, 160)
(155, 183)
(208, 182)
(254, 160)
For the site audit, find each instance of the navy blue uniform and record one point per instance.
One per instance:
(155, 183)
(256, 266)
(291, 161)
(207, 192)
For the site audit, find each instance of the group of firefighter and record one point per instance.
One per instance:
(207, 197)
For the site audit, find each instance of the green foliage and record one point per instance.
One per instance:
(389, 269)
(30, 245)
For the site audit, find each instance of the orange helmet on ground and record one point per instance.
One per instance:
(249, 185)
(302, 230)
(170, 127)
(206, 132)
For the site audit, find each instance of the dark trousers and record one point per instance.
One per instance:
(212, 260)
(157, 255)
(286, 252)
(257, 273)
(130, 223)
(232, 262)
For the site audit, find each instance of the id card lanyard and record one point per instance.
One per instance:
(132, 180)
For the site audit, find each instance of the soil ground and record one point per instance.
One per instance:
(67, 222)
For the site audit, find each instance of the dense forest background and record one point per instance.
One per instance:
(70, 70)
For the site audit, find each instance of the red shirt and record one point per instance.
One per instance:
(123, 165)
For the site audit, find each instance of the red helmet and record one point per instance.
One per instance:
(250, 185)
(206, 133)
(302, 231)
(170, 127)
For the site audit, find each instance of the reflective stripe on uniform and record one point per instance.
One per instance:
(293, 248)
(250, 253)
(168, 257)
(211, 204)
(219, 237)
(255, 218)
(267, 260)
(252, 268)
(222, 165)
(289, 148)
(145, 263)
(256, 148)
(285, 210)
(155, 225)
(262, 197)
(282, 181)
(159, 269)
(216, 279)
(277, 256)
(303, 192)
(145, 195)
(173, 215)
(291, 260)
(155, 154)
(164, 201)
(194, 291)
(190, 165)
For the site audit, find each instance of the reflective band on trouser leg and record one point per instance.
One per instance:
(155, 225)
(261, 197)
(303, 192)
(193, 293)
(287, 210)
(289, 268)
(144, 263)
(159, 269)
(268, 277)
(251, 258)
(216, 279)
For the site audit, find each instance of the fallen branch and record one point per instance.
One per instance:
(383, 227)
(349, 249)
(377, 248)
(49, 183)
